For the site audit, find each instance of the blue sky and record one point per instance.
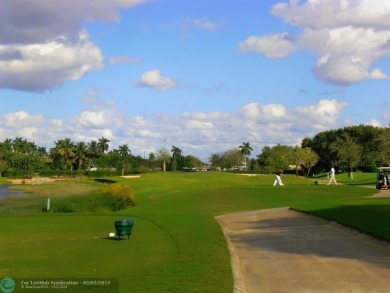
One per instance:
(203, 75)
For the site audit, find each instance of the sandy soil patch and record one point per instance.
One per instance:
(132, 176)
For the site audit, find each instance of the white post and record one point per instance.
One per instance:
(48, 204)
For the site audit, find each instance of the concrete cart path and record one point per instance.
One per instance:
(282, 250)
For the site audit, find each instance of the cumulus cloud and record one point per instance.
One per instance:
(196, 133)
(42, 45)
(348, 37)
(324, 112)
(20, 124)
(29, 22)
(101, 114)
(21, 119)
(373, 122)
(272, 46)
(154, 79)
(39, 67)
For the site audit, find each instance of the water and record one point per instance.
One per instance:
(4, 192)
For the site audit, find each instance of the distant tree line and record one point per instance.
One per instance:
(346, 148)
(20, 157)
(351, 147)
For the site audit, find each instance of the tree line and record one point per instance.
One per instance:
(19, 156)
(345, 148)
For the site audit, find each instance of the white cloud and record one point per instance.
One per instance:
(207, 24)
(377, 74)
(35, 22)
(42, 45)
(21, 119)
(348, 37)
(373, 122)
(91, 119)
(45, 66)
(325, 112)
(197, 133)
(335, 13)
(269, 112)
(193, 124)
(21, 124)
(154, 79)
(189, 23)
(56, 123)
(272, 46)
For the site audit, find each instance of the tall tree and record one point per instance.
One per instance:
(246, 150)
(308, 159)
(384, 152)
(164, 157)
(227, 159)
(151, 160)
(81, 153)
(65, 148)
(103, 144)
(321, 145)
(93, 152)
(3, 164)
(176, 154)
(348, 151)
(124, 153)
(276, 158)
(6, 145)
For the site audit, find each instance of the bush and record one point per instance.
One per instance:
(116, 196)
(63, 209)
(143, 169)
(367, 169)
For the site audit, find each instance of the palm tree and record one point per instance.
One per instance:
(65, 148)
(19, 145)
(176, 153)
(93, 152)
(81, 153)
(124, 153)
(246, 150)
(42, 152)
(163, 155)
(103, 144)
(30, 153)
(6, 145)
(151, 159)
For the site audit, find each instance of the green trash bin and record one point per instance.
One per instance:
(124, 227)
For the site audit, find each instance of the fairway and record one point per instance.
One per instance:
(176, 245)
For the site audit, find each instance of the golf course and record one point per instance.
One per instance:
(176, 244)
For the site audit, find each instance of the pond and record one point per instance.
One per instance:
(4, 192)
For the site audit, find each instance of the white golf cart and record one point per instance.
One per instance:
(382, 181)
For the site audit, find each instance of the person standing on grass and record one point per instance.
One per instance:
(332, 175)
(278, 179)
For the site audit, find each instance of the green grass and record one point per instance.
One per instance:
(177, 245)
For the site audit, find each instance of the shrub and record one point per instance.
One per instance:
(116, 196)
(143, 169)
(368, 169)
(64, 209)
